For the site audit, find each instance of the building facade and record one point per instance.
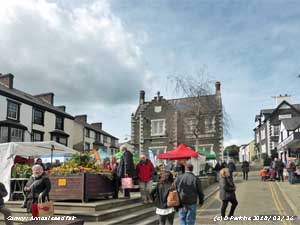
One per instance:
(25, 117)
(92, 136)
(161, 125)
(268, 122)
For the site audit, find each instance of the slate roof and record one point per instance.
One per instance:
(31, 100)
(291, 123)
(86, 125)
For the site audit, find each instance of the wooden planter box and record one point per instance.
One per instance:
(80, 187)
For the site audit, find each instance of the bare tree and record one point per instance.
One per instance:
(199, 105)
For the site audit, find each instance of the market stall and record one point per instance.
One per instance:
(183, 152)
(9, 151)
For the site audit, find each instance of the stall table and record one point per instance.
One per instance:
(17, 188)
(80, 187)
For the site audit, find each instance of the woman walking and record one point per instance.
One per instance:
(227, 192)
(159, 195)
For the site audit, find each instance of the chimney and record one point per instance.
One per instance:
(281, 98)
(218, 87)
(97, 125)
(46, 97)
(7, 80)
(62, 107)
(81, 118)
(142, 97)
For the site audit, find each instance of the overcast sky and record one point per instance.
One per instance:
(96, 55)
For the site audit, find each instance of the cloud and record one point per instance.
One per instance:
(82, 54)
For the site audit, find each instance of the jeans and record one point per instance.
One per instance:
(6, 212)
(291, 177)
(187, 215)
(234, 204)
(166, 219)
(280, 175)
(145, 189)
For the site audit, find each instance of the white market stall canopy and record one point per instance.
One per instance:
(9, 151)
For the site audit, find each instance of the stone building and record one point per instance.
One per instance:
(162, 124)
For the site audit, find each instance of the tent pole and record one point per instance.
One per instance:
(52, 149)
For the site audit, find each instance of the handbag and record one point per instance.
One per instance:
(45, 208)
(34, 210)
(173, 197)
(127, 183)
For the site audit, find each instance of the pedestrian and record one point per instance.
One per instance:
(39, 161)
(263, 173)
(159, 195)
(231, 167)
(245, 168)
(5, 211)
(112, 166)
(145, 170)
(274, 165)
(126, 168)
(227, 192)
(272, 174)
(179, 168)
(38, 183)
(290, 167)
(217, 170)
(280, 167)
(189, 189)
(170, 165)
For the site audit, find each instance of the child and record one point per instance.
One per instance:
(272, 174)
(263, 174)
(5, 211)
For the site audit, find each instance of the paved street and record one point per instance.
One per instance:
(255, 198)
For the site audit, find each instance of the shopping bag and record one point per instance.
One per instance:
(127, 183)
(173, 197)
(34, 210)
(45, 208)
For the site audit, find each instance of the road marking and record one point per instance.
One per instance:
(278, 204)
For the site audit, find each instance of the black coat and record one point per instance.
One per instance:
(245, 166)
(39, 185)
(126, 165)
(159, 195)
(227, 188)
(231, 166)
(3, 193)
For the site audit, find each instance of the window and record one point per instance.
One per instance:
(59, 123)
(16, 135)
(38, 117)
(13, 109)
(104, 139)
(87, 146)
(87, 132)
(276, 130)
(158, 127)
(98, 137)
(60, 139)
(3, 134)
(37, 136)
(190, 125)
(209, 124)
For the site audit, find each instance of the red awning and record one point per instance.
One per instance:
(181, 152)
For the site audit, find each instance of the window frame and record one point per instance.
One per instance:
(37, 132)
(18, 110)
(62, 123)
(163, 129)
(9, 133)
(43, 117)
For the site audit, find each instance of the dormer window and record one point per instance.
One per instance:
(59, 123)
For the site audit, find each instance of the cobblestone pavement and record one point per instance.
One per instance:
(256, 199)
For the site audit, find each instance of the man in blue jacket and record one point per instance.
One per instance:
(189, 189)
